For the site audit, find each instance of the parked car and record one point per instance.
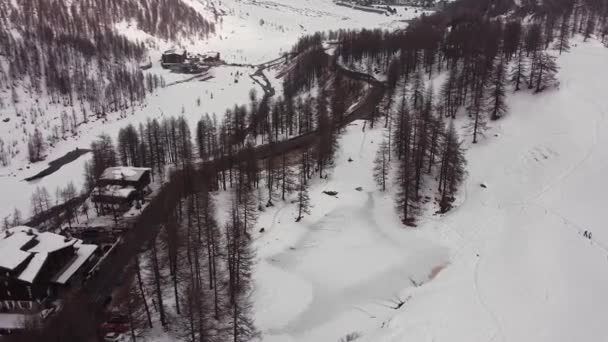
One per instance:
(52, 309)
(112, 337)
(44, 314)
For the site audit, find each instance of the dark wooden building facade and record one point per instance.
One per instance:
(35, 266)
(120, 186)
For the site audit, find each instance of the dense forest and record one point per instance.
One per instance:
(71, 54)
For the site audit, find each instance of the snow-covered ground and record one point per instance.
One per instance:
(520, 268)
(517, 264)
(259, 30)
(341, 268)
(250, 32)
(217, 95)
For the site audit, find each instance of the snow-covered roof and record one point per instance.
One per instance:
(33, 267)
(172, 52)
(22, 229)
(131, 174)
(49, 242)
(14, 251)
(114, 191)
(11, 247)
(13, 239)
(83, 254)
(124, 192)
(11, 244)
(210, 54)
(10, 258)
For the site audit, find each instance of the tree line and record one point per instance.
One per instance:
(195, 279)
(422, 149)
(157, 143)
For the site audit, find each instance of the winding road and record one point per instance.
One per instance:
(148, 224)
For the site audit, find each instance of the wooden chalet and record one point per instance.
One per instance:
(35, 266)
(171, 58)
(120, 186)
(211, 57)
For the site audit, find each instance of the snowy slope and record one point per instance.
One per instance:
(252, 32)
(512, 259)
(321, 278)
(240, 39)
(520, 267)
(216, 96)
(259, 30)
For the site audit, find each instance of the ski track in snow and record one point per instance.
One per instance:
(596, 133)
(499, 329)
(556, 183)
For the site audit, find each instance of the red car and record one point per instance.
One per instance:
(118, 324)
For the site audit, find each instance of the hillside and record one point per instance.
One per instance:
(511, 263)
(246, 32)
(64, 64)
(520, 267)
